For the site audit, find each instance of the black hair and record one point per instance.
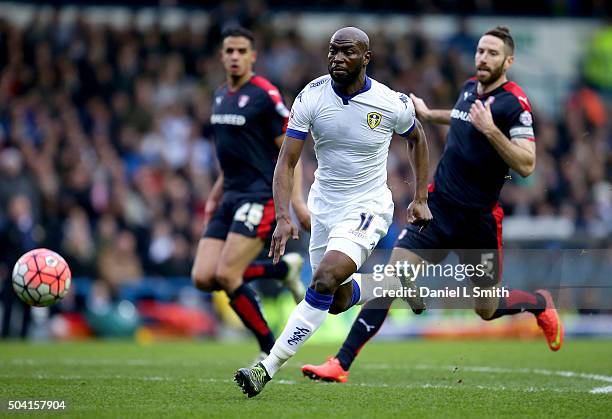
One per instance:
(238, 31)
(503, 33)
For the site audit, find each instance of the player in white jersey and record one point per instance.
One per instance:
(352, 119)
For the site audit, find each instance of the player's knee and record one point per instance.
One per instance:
(324, 281)
(485, 313)
(203, 282)
(226, 280)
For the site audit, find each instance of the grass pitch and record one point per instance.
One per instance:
(413, 378)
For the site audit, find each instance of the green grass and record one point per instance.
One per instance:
(414, 378)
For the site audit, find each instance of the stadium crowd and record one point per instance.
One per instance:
(106, 154)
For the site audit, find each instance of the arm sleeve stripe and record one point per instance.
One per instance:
(271, 90)
(407, 133)
(300, 135)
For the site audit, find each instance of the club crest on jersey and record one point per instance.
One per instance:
(243, 100)
(526, 118)
(374, 119)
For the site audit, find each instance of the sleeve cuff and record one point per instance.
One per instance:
(300, 135)
(407, 133)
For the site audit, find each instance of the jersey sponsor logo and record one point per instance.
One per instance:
(298, 335)
(243, 100)
(462, 115)
(318, 83)
(227, 119)
(374, 119)
(525, 118)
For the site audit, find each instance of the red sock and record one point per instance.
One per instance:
(519, 301)
(245, 304)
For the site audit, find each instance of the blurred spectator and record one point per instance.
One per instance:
(118, 261)
(78, 246)
(18, 237)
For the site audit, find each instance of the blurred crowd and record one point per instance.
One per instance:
(106, 153)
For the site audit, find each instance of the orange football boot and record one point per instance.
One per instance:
(550, 322)
(330, 370)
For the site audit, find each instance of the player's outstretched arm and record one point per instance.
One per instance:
(519, 154)
(297, 197)
(418, 212)
(282, 186)
(435, 116)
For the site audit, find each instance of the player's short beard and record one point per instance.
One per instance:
(349, 78)
(494, 75)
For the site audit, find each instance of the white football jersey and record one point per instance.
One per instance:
(351, 137)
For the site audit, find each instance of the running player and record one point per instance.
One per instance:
(249, 120)
(352, 119)
(491, 130)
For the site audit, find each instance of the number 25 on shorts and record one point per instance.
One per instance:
(250, 214)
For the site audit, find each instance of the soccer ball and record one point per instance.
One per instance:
(41, 277)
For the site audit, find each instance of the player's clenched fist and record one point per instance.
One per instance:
(283, 231)
(418, 213)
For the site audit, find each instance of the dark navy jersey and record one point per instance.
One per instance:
(245, 124)
(471, 173)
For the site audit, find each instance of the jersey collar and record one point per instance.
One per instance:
(492, 92)
(345, 99)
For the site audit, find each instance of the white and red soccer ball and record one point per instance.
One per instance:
(41, 277)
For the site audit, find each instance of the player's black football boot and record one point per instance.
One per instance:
(252, 380)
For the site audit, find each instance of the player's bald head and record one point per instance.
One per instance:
(352, 34)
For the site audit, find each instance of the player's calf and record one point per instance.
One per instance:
(486, 307)
(344, 298)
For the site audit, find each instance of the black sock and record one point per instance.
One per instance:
(365, 326)
(245, 304)
(519, 301)
(266, 269)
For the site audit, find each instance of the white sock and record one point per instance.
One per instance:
(303, 322)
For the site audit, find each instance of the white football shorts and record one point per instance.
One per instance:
(354, 229)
